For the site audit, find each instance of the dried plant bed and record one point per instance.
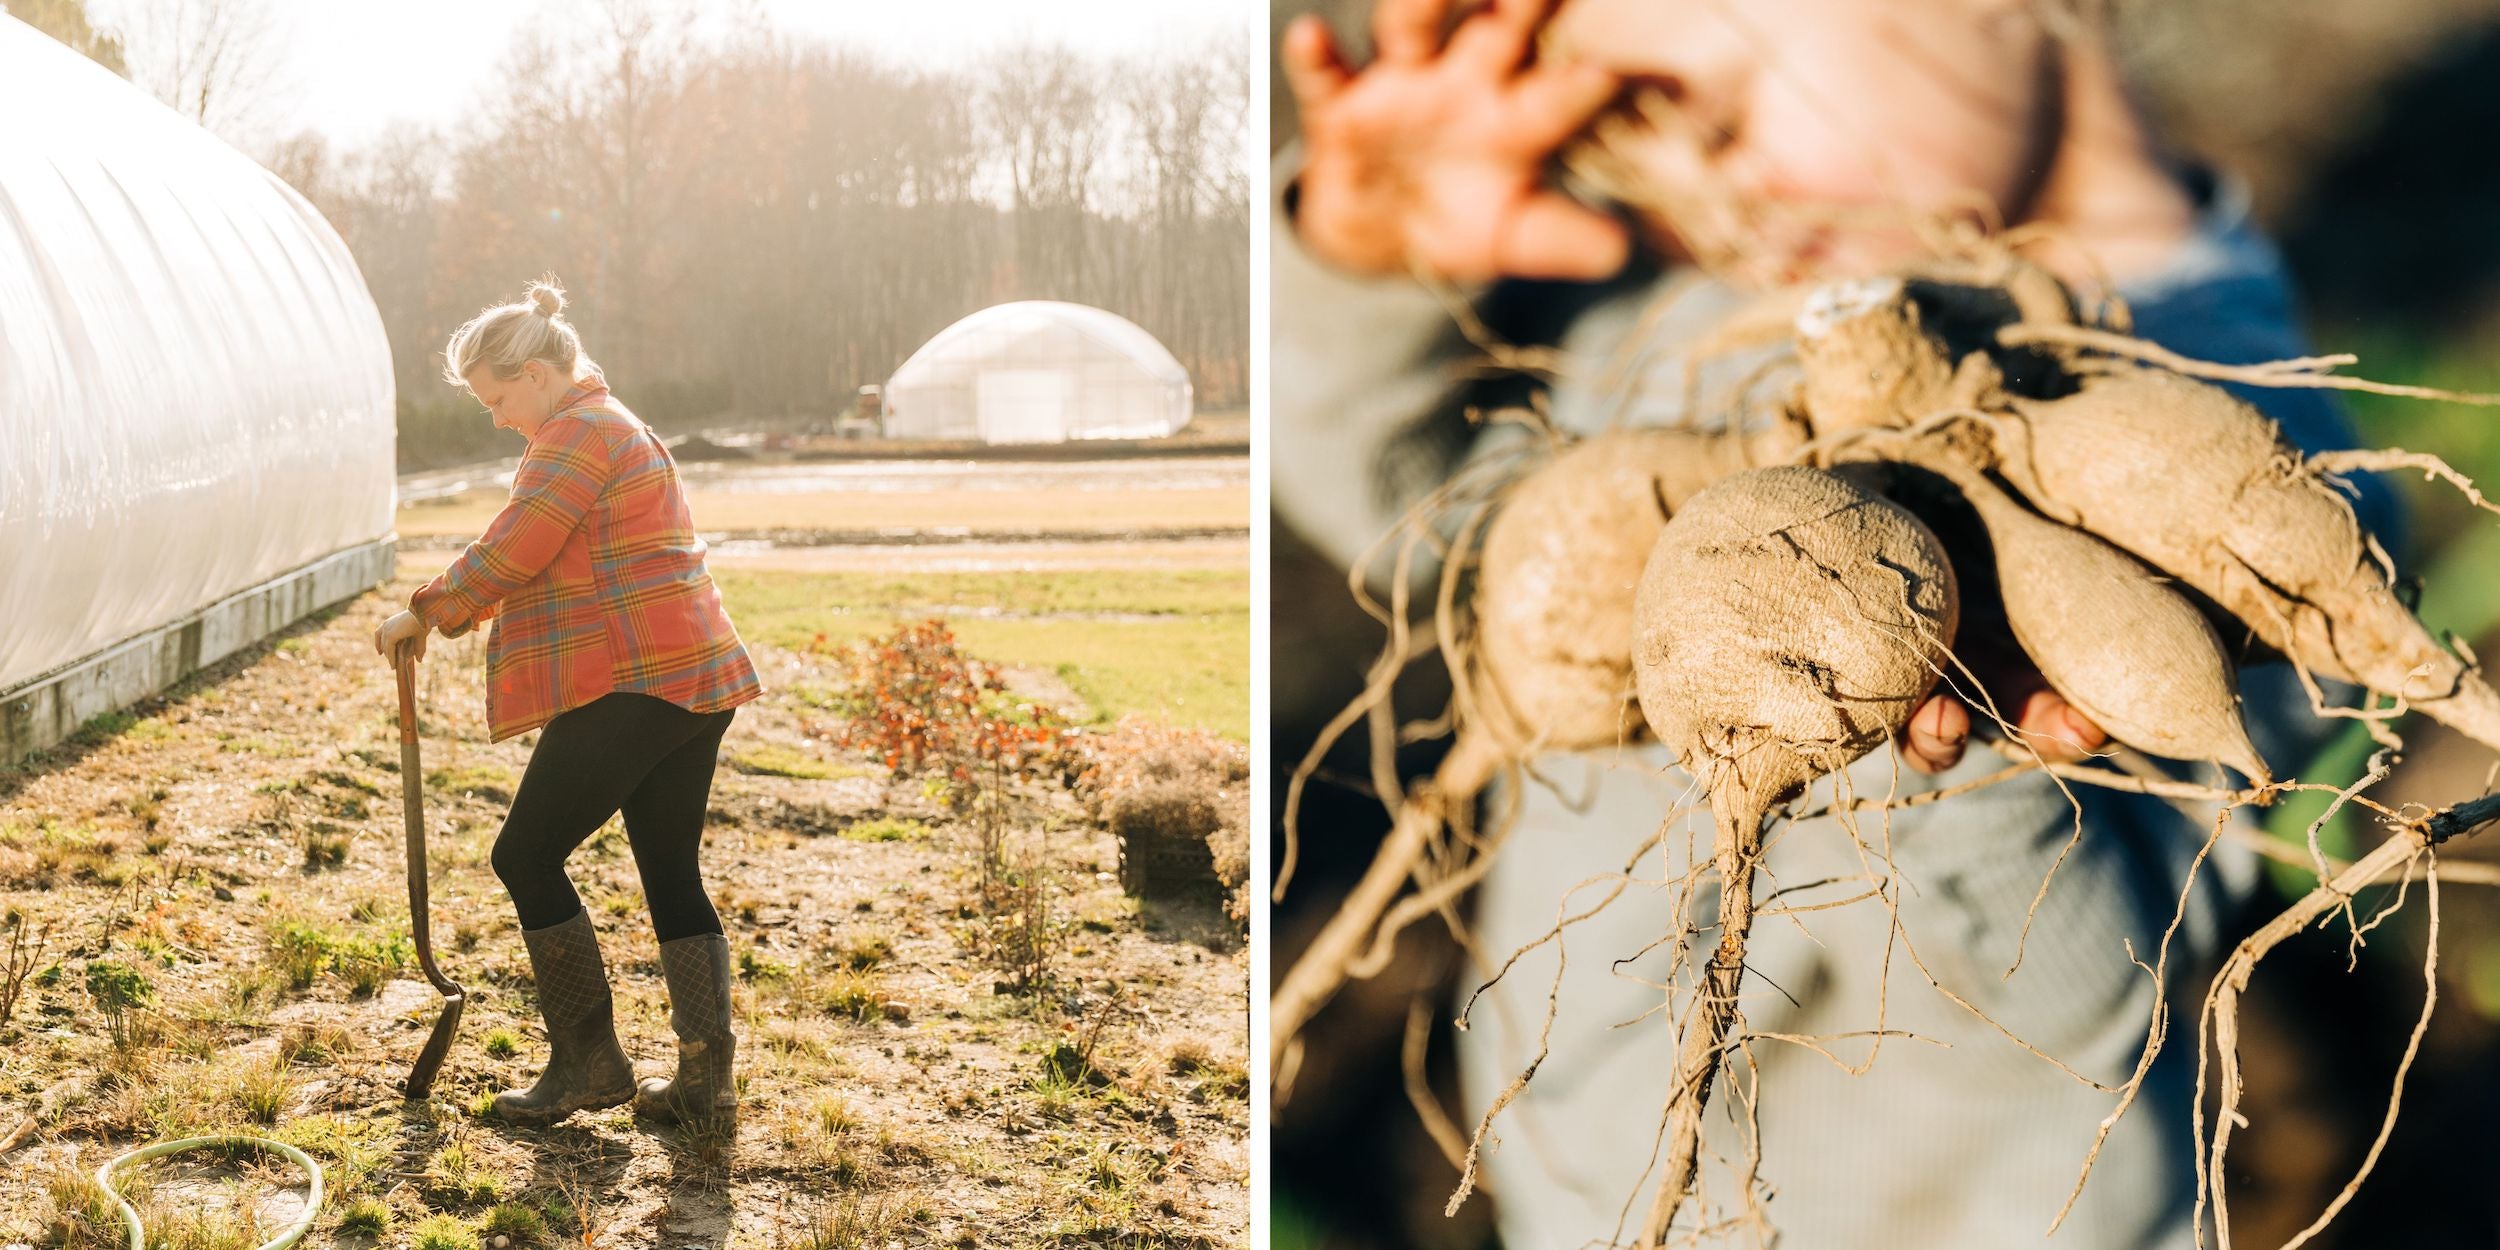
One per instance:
(2138, 519)
(892, 1093)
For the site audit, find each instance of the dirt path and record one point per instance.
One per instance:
(947, 498)
(893, 1096)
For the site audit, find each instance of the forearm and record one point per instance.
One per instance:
(560, 477)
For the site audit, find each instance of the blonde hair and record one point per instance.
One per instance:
(508, 336)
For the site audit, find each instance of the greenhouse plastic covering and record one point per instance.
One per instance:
(1038, 371)
(195, 390)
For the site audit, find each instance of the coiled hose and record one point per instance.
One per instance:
(294, 1232)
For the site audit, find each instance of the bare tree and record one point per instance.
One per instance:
(754, 226)
(216, 62)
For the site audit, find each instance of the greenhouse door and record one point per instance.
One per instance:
(1024, 405)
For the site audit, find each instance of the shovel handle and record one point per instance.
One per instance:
(405, 665)
(412, 792)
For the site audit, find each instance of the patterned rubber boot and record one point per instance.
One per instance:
(704, 1089)
(586, 1069)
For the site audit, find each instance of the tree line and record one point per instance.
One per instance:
(751, 225)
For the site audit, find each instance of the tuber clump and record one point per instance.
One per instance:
(1790, 620)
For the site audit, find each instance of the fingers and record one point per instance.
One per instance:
(1936, 735)
(2056, 730)
(1555, 101)
(1315, 70)
(1496, 39)
(1550, 235)
(1408, 31)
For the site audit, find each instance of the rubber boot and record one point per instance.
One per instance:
(697, 969)
(586, 1069)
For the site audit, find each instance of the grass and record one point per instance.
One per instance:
(523, 1224)
(779, 761)
(369, 1216)
(886, 829)
(861, 1221)
(442, 1232)
(485, 779)
(302, 950)
(1189, 664)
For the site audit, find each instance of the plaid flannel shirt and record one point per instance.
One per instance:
(595, 578)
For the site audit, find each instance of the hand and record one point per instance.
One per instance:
(1940, 728)
(402, 629)
(1434, 155)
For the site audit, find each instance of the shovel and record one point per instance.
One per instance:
(412, 790)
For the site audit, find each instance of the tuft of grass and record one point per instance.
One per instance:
(452, 1174)
(325, 846)
(350, 1148)
(119, 991)
(82, 1216)
(522, 1223)
(846, 993)
(862, 953)
(261, 1092)
(484, 779)
(886, 829)
(861, 1222)
(503, 1043)
(442, 1232)
(314, 1043)
(302, 950)
(767, 760)
(367, 1215)
(832, 1114)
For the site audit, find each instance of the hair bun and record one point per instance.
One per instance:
(547, 297)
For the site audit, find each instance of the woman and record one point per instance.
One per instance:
(612, 637)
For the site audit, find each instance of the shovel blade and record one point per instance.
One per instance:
(437, 1046)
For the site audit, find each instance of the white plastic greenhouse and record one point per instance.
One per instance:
(1038, 371)
(196, 420)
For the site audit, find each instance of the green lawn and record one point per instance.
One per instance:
(1178, 649)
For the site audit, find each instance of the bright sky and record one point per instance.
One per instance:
(352, 68)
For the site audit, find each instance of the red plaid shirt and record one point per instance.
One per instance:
(595, 576)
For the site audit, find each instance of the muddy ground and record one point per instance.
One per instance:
(245, 830)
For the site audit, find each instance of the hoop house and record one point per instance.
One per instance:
(196, 426)
(1038, 371)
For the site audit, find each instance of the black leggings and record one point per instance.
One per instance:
(623, 750)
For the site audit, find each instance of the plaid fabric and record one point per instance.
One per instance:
(594, 577)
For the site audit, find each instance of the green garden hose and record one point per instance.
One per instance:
(294, 1232)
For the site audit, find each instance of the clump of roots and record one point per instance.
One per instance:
(1770, 615)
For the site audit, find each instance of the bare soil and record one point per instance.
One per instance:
(895, 1090)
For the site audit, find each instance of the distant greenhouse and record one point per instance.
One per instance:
(196, 422)
(1038, 371)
